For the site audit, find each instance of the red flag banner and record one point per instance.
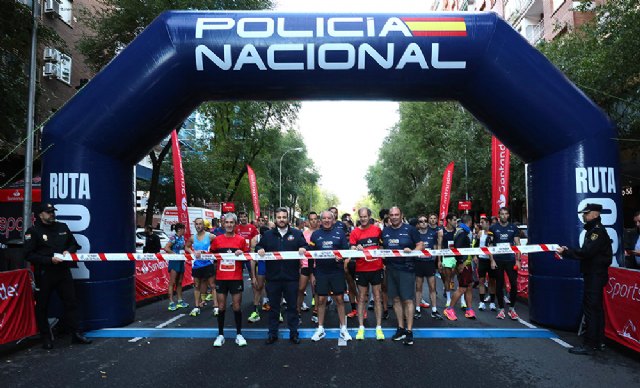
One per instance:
(152, 278)
(445, 194)
(622, 307)
(500, 164)
(181, 191)
(17, 315)
(253, 186)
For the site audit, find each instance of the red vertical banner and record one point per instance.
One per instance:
(17, 315)
(253, 186)
(500, 164)
(178, 179)
(445, 194)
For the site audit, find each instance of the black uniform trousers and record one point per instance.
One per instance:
(276, 289)
(60, 280)
(593, 309)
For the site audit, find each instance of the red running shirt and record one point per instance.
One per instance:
(248, 232)
(369, 238)
(228, 269)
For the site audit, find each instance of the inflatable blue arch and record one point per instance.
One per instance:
(185, 58)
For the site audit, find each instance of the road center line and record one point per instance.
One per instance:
(160, 326)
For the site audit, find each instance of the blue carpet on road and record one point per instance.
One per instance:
(307, 333)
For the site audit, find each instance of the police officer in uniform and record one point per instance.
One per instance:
(595, 258)
(44, 239)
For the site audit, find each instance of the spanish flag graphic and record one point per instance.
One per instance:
(443, 26)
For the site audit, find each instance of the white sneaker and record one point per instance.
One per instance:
(216, 310)
(506, 300)
(422, 301)
(314, 318)
(482, 306)
(318, 335)
(240, 340)
(304, 307)
(219, 341)
(487, 298)
(492, 306)
(344, 335)
(195, 312)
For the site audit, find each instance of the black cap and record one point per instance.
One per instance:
(44, 207)
(591, 207)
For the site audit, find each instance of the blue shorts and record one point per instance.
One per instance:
(262, 268)
(176, 265)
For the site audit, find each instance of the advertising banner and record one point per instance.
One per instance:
(445, 194)
(500, 164)
(622, 307)
(253, 186)
(17, 313)
(178, 179)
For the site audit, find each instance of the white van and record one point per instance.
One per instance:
(170, 217)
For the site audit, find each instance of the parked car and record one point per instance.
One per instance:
(141, 238)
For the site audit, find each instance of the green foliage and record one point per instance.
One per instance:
(115, 23)
(15, 46)
(413, 157)
(602, 58)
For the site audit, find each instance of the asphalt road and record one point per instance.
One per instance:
(446, 362)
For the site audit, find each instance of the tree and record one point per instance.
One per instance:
(15, 44)
(413, 156)
(115, 23)
(601, 58)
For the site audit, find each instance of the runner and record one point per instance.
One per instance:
(485, 272)
(203, 270)
(505, 234)
(426, 267)
(349, 266)
(462, 239)
(176, 245)
(401, 277)
(229, 276)
(329, 273)
(258, 271)
(283, 276)
(368, 270)
(305, 271)
(248, 232)
(445, 240)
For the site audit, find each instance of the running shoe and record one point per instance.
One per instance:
(240, 340)
(385, 315)
(280, 318)
(492, 306)
(470, 314)
(254, 317)
(487, 298)
(182, 304)
(313, 301)
(482, 306)
(417, 314)
(513, 315)
(353, 313)
(209, 297)
(424, 304)
(216, 311)
(314, 318)
(501, 314)
(219, 341)
(370, 306)
(195, 312)
(506, 300)
(379, 334)
(450, 314)
(344, 335)
(304, 307)
(436, 315)
(318, 335)
(360, 335)
(266, 307)
(172, 306)
(400, 334)
(408, 339)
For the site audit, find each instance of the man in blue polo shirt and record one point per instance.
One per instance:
(329, 273)
(401, 275)
(282, 276)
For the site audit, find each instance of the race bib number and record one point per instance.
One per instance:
(228, 265)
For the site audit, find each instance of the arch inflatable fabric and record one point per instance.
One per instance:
(184, 58)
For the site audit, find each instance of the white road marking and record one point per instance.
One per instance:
(160, 326)
(556, 340)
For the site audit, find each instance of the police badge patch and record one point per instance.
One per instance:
(594, 237)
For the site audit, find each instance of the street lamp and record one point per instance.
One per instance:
(282, 157)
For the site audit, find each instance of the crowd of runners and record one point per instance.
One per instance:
(355, 286)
